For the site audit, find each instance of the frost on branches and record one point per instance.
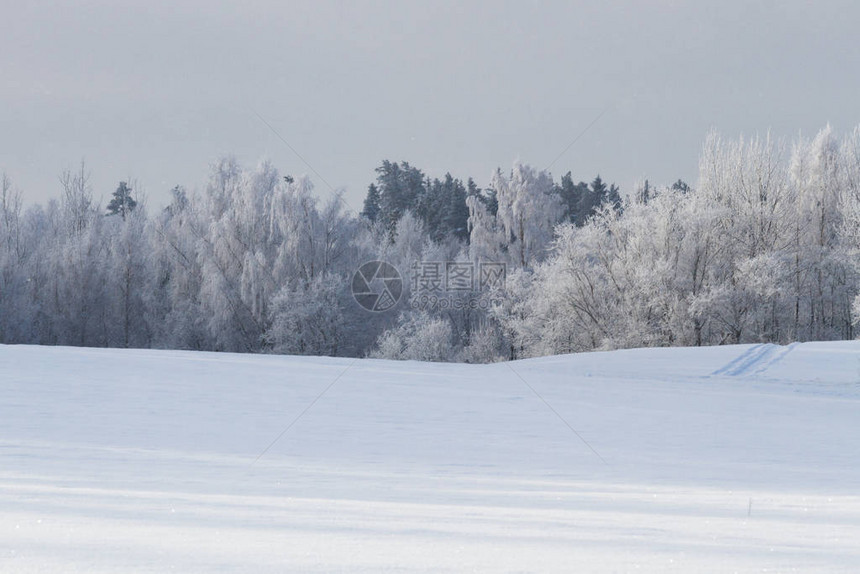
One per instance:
(764, 248)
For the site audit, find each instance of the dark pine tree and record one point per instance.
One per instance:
(571, 196)
(681, 186)
(487, 197)
(472, 188)
(455, 217)
(427, 207)
(593, 197)
(122, 202)
(400, 187)
(613, 198)
(371, 203)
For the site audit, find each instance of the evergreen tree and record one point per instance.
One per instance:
(455, 217)
(472, 188)
(122, 203)
(427, 207)
(442, 209)
(440, 205)
(681, 186)
(594, 197)
(371, 203)
(613, 197)
(571, 195)
(400, 186)
(491, 201)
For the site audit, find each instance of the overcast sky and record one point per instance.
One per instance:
(159, 90)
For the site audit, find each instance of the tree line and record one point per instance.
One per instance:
(763, 248)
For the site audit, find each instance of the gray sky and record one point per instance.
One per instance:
(159, 90)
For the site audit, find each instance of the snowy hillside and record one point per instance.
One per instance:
(742, 458)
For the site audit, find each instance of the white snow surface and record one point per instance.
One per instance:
(723, 459)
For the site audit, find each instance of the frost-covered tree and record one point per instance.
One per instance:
(291, 221)
(16, 308)
(513, 313)
(236, 278)
(529, 209)
(73, 290)
(764, 248)
(128, 269)
(175, 311)
(521, 229)
(486, 241)
(417, 337)
(307, 318)
(744, 183)
(485, 345)
(824, 277)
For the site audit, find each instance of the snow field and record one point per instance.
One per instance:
(718, 459)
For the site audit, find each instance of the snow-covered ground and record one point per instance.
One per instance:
(719, 459)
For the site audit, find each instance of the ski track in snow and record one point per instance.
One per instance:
(756, 360)
(720, 459)
(775, 358)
